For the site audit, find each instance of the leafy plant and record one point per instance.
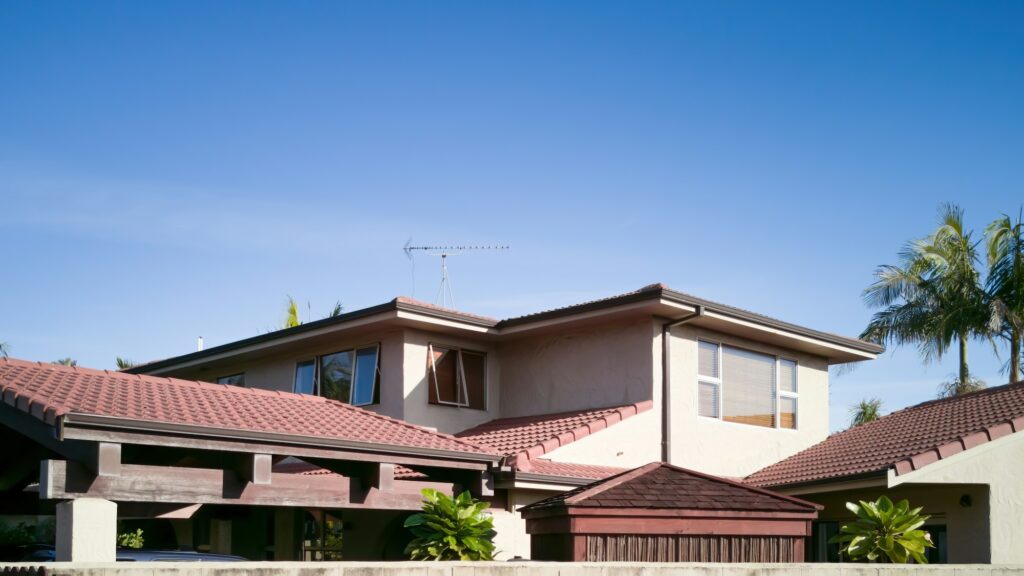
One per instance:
(867, 410)
(291, 314)
(884, 532)
(131, 539)
(451, 529)
(124, 363)
(66, 362)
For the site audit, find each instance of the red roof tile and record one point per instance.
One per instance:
(662, 486)
(573, 470)
(48, 391)
(905, 440)
(525, 438)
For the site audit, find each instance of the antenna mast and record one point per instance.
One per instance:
(445, 296)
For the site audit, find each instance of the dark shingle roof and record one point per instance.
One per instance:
(662, 486)
(905, 440)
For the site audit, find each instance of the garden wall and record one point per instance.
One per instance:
(497, 569)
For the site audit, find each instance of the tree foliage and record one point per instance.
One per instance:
(934, 297)
(124, 363)
(1005, 285)
(451, 529)
(131, 539)
(4, 349)
(884, 532)
(867, 410)
(66, 362)
(291, 314)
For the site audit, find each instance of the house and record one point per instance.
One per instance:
(562, 397)
(960, 458)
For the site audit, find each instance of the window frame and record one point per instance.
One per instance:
(719, 382)
(317, 359)
(225, 377)
(460, 373)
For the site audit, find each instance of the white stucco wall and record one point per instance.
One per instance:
(598, 366)
(511, 539)
(628, 444)
(998, 464)
(732, 449)
(448, 419)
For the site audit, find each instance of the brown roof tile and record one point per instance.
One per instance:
(48, 391)
(905, 440)
(662, 486)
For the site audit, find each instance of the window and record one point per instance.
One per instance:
(234, 379)
(746, 387)
(351, 376)
(457, 377)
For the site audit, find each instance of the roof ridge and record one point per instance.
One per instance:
(737, 484)
(974, 393)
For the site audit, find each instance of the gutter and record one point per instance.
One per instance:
(79, 420)
(666, 380)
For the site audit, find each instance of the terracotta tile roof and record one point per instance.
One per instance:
(436, 308)
(905, 440)
(662, 486)
(573, 470)
(526, 438)
(48, 392)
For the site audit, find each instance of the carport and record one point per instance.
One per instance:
(98, 446)
(662, 513)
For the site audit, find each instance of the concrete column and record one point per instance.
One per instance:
(87, 530)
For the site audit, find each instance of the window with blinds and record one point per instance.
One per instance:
(746, 387)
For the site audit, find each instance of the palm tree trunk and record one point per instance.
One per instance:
(965, 375)
(1014, 356)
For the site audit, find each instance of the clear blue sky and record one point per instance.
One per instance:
(169, 170)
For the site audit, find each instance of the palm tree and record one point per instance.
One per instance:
(124, 363)
(291, 317)
(4, 349)
(66, 362)
(934, 297)
(1005, 250)
(867, 410)
(336, 311)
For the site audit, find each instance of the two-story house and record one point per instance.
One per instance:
(567, 395)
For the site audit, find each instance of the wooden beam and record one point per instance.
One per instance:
(61, 479)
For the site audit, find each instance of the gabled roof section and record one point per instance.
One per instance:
(905, 440)
(526, 438)
(663, 486)
(655, 300)
(64, 395)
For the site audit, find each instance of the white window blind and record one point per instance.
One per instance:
(748, 379)
(707, 364)
(708, 401)
(787, 375)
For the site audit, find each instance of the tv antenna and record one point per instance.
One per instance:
(445, 297)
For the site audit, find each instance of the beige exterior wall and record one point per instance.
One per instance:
(511, 539)
(277, 371)
(599, 366)
(448, 419)
(630, 443)
(730, 449)
(966, 528)
(999, 465)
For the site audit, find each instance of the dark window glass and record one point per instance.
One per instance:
(336, 375)
(304, 377)
(473, 369)
(366, 376)
(443, 380)
(234, 379)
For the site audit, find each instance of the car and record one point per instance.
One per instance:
(48, 553)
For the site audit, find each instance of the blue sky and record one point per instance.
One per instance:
(169, 170)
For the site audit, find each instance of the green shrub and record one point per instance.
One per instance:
(884, 532)
(130, 539)
(451, 529)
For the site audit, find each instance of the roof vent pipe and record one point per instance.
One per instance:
(199, 344)
(666, 379)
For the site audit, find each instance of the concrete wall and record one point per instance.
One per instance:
(512, 540)
(731, 449)
(512, 569)
(599, 366)
(999, 464)
(448, 419)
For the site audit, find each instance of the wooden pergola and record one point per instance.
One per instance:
(79, 449)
